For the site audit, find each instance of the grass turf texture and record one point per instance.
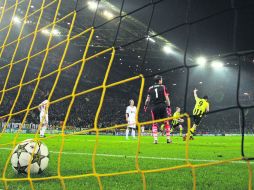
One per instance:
(115, 154)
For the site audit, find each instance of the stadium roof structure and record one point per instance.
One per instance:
(133, 39)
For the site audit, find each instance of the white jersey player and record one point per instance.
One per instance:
(131, 119)
(142, 130)
(43, 108)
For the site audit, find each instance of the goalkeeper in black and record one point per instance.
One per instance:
(158, 98)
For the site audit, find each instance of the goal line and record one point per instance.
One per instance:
(141, 157)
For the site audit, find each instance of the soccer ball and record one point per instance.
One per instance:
(30, 151)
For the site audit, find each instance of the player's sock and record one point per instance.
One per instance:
(181, 132)
(192, 130)
(127, 133)
(42, 131)
(167, 128)
(133, 133)
(155, 133)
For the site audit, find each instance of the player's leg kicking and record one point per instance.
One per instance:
(197, 119)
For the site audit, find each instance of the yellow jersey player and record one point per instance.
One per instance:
(162, 129)
(201, 107)
(177, 122)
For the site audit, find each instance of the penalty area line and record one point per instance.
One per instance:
(140, 157)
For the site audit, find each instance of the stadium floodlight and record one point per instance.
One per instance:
(217, 64)
(167, 49)
(55, 32)
(150, 39)
(108, 14)
(201, 60)
(92, 5)
(45, 31)
(16, 20)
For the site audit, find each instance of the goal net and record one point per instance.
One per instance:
(91, 57)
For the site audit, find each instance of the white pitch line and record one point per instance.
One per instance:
(141, 157)
(126, 141)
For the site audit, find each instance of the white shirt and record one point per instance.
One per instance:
(131, 111)
(43, 107)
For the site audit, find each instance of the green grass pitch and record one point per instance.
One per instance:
(115, 154)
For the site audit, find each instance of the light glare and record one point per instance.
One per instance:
(217, 64)
(16, 19)
(45, 31)
(55, 32)
(108, 14)
(151, 39)
(201, 60)
(92, 5)
(167, 49)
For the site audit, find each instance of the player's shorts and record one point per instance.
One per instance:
(159, 111)
(197, 119)
(175, 125)
(132, 124)
(44, 119)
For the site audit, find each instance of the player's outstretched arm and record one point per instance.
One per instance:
(147, 102)
(195, 93)
(207, 108)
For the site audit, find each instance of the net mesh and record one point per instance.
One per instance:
(14, 43)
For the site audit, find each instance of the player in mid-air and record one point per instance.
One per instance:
(131, 111)
(177, 122)
(201, 107)
(43, 108)
(158, 98)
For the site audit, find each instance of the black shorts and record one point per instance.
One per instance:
(197, 119)
(175, 125)
(159, 111)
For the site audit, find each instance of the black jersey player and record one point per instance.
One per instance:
(158, 98)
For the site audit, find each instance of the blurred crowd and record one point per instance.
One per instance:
(83, 111)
